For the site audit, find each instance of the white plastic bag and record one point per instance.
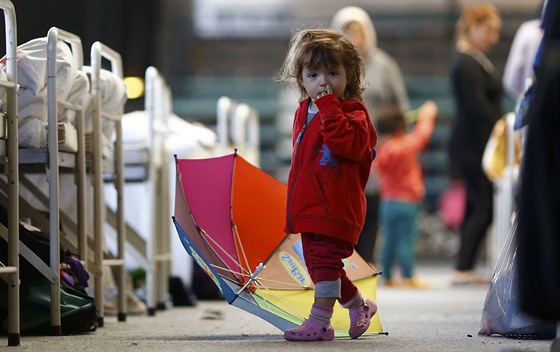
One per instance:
(502, 314)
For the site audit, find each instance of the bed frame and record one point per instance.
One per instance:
(10, 159)
(34, 161)
(158, 106)
(238, 127)
(146, 168)
(100, 166)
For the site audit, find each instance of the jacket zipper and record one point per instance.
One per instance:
(296, 174)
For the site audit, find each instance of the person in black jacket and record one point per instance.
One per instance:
(477, 91)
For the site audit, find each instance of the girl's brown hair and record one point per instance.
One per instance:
(312, 48)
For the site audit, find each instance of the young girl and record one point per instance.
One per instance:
(333, 141)
(402, 187)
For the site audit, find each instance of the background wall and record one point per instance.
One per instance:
(207, 49)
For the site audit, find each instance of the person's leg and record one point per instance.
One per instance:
(478, 218)
(407, 232)
(360, 310)
(366, 243)
(306, 239)
(323, 256)
(326, 291)
(387, 219)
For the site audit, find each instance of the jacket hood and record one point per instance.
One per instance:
(356, 14)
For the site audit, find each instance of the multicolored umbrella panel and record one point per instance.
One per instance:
(229, 216)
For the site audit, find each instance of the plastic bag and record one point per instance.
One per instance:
(502, 314)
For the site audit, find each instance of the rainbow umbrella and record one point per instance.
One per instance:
(229, 216)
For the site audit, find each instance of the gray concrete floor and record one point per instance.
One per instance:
(444, 318)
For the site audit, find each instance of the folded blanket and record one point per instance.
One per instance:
(72, 85)
(31, 59)
(33, 133)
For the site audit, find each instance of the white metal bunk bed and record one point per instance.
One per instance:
(246, 132)
(105, 165)
(238, 127)
(35, 160)
(9, 154)
(147, 188)
(158, 106)
(151, 137)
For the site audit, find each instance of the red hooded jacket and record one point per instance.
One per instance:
(330, 167)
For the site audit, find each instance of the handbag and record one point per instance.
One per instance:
(452, 204)
(495, 157)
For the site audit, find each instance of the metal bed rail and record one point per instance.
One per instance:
(99, 52)
(10, 272)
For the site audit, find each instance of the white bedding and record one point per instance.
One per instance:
(72, 87)
(193, 135)
(33, 134)
(113, 98)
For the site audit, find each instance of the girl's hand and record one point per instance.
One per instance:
(328, 90)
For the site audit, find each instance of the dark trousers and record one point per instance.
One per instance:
(478, 215)
(368, 237)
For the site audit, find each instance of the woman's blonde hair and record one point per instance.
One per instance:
(473, 14)
(313, 48)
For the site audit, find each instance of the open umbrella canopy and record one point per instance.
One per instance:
(229, 216)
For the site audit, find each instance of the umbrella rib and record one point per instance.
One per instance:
(249, 273)
(225, 253)
(259, 280)
(243, 273)
(221, 268)
(238, 239)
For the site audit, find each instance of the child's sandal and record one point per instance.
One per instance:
(360, 318)
(310, 330)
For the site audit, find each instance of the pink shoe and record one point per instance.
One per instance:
(310, 330)
(360, 318)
